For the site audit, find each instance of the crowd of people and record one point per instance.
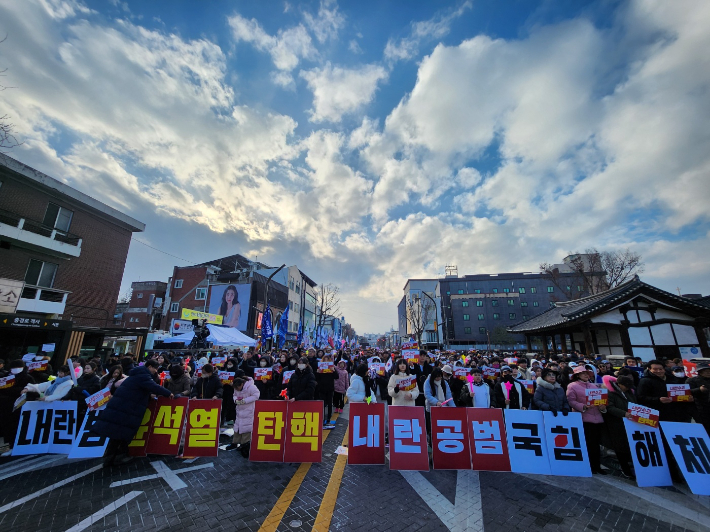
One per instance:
(556, 383)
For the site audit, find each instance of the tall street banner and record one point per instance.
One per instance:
(526, 442)
(489, 447)
(46, 427)
(88, 444)
(408, 443)
(137, 447)
(647, 454)
(164, 436)
(268, 431)
(690, 446)
(366, 434)
(566, 445)
(449, 438)
(304, 431)
(202, 427)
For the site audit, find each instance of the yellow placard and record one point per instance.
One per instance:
(188, 314)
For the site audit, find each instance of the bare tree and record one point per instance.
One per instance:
(327, 302)
(500, 336)
(7, 138)
(419, 311)
(126, 297)
(594, 271)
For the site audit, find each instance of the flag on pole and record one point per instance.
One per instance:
(266, 329)
(283, 327)
(299, 340)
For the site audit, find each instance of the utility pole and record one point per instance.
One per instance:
(266, 297)
(436, 317)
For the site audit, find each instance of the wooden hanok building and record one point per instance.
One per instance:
(632, 319)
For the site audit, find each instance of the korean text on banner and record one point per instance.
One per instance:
(647, 454)
(461, 373)
(644, 415)
(304, 431)
(449, 438)
(167, 426)
(227, 377)
(88, 444)
(526, 442)
(489, 447)
(566, 445)
(37, 366)
(679, 392)
(529, 386)
(263, 374)
(377, 367)
(597, 396)
(408, 441)
(137, 447)
(219, 362)
(7, 382)
(411, 356)
(287, 376)
(202, 427)
(326, 367)
(268, 431)
(98, 400)
(408, 383)
(366, 437)
(188, 314)
(690, 446)
(46, 428)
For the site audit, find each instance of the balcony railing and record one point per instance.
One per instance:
(42, 300)
(15, 220)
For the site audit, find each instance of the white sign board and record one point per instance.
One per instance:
(10, 292)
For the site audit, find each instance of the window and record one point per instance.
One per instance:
(57, 217)
(201, 294)
(41, 273)
(511, 316)
(174, 307)
(494, 302)
(178, 283)
(523, 303)
(533, 290)
(550, 289)
(466, 317)
(579, 288)
(464, 303)
(467, 330)
(298, 288)
(460, 292)
(496, 316)
(495, 290)
(569, 288)
(521, 290)
(536, 304)
(479, 303)
(448, 293)
(477, 291)
(482, 330)
(140, 295)
(525, 317)
(506, 290)
(481, 316)
(511, 302)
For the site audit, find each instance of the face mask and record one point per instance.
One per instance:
(301, 367)
(679, 374)
(438, 381)
(292, 362)
(16, 371)
(262, 363)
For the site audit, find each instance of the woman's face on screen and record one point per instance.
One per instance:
(229, 296)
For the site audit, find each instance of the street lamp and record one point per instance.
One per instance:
(436, 317)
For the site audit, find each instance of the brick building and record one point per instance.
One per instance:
(145, 308)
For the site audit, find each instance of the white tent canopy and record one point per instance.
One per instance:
(218, 336)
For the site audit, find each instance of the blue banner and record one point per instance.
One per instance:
(266, 329)
(283, 327)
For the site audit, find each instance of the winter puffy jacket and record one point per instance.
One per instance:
(357, 391)
(550, 396)
(399, 398)
(245, 413)
(181, 385)
(60, 391)
(302, 385)
(430, 395)
(207, 388)
(577, 397)
(343, 381)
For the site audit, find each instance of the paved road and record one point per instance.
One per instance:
(50, 493)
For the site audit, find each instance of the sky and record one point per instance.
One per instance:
(370, 142)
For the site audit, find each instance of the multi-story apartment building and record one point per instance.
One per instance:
(145, 308)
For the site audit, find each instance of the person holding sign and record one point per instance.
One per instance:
(302, 385)
(509, 393)
(700, 388)
(653, 393)
(55, 390)
(476, 392)
(245, 395)
(341, 385)
(209, 386)
(325, 378)
(549, 394)
(402, 386)
(592, 419)
(620, 395)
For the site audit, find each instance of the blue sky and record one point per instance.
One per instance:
(369, 142)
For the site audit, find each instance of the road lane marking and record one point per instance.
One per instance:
(49, 488)
(93, 518)
(273, 520)
(159, 475)
(327, 505)
(16, 468)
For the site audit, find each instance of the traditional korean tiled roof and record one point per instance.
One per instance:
(568, 312)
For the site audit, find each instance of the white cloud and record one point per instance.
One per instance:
(354, 47)
(422, 31)
(326, 24)
(338, 91)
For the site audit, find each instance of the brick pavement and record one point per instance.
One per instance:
(237, 495)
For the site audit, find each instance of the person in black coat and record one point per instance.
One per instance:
(422, 371)
(208, 386)
(326, 389)
(519, 398)
(302, 385)
(700, 388)
(123, 414)
(88, 384)
(9, 420)
(549, 394)
(652, 392)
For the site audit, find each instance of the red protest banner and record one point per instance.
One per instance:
(37, 366)
(679, 392)
(263, 374)
(268, 431)
(167, 425)
(202, 427)
(489, 447)
(644, 415)
(99, 399)
(366, 437)
(691, 368)
(326, 367)
(411, 356)
(461, 373)
(137, 447)
(408, 445)
(407, 384)
(7, 382)
(449, 438)
(304, 431)
(227, 377)
(597, 396)
(377, 367)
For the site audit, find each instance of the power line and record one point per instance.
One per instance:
(159, 250)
